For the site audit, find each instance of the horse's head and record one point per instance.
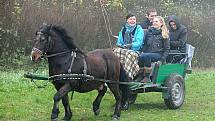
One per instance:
(42, 43)
(52, 40)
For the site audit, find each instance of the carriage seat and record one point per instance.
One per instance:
(175, 56)
(185, 57)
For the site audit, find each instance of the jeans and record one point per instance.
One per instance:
(148, 58)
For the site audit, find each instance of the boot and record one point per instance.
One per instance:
(146, 79)
(154, 72)
(147, 75)
(140, 75)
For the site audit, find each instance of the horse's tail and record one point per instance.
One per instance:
(124, 87)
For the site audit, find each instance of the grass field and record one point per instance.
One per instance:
(21, 100)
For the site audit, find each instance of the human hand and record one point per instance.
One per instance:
(120, 46)
(116, 37)
(127, 46)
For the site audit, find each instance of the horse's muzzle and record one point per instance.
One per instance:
(36, 54)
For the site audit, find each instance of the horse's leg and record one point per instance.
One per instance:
(68, 112)
(56, 109)
(58, 96)
(125, 91)
(125, 94)
(96, 104)
(116, 92)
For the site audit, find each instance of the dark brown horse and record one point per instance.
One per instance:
(65, 57)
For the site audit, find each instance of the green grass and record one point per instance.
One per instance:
(21, 100)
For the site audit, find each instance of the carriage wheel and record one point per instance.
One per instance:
(176, 91)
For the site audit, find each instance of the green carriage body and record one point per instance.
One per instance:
(168, 79)
(161, 74)
(166, 70)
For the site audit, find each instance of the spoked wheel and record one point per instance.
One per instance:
(176, 91)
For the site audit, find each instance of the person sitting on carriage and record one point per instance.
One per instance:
(150, 14)
(156, 46)
(178, 38)
(129, 44)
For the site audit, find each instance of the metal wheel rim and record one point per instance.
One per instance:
(177, 93)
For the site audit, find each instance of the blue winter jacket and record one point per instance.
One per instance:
(137, 38)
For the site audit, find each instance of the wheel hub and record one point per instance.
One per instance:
(177, 93)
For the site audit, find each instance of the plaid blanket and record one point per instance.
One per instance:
(129, 59)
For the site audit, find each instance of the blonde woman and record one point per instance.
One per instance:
(156, 45)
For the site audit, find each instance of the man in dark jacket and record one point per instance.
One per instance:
(178, 38)
(177, 34)
(150, 14)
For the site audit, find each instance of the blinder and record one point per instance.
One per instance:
(43, 36)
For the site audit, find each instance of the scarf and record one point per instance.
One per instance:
(128, 36)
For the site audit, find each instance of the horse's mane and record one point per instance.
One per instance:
(66, 38)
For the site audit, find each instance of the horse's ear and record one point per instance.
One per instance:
(50, 26)
(36, 33)
(44, 24)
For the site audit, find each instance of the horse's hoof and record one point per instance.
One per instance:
(97, 112)
(115, 117)
(66, 119)
(54, 119)
(125, 106)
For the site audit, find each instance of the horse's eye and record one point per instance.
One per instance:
(42, 38)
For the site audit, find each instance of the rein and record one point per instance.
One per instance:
(56, 54)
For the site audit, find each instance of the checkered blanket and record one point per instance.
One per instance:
(130, 60)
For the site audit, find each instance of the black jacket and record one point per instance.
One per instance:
(178, 37)
(146, 24)
(155, 43)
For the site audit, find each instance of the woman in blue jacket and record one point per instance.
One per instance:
(129, 42)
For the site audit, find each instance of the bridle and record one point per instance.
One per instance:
(48, 45)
